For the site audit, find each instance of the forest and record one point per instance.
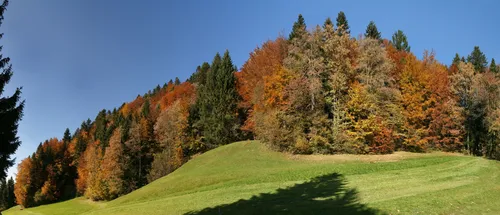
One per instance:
(320, 90)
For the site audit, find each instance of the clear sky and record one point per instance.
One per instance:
(74, 58)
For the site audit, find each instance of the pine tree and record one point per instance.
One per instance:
(456, 60)
(328, 22)
(11, 111)
(218, 102)
(342, 24)
(298, 28)
(145, 108)
(67, 136)
(478, 59)
(372, 31)
(11, 198)
(493, 66)
(400, 42)
(177, 81)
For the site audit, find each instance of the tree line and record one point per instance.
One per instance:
(318, 91)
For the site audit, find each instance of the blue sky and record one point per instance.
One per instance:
(74, 58)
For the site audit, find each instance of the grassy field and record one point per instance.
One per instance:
(247, 178)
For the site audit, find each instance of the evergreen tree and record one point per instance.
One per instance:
(372, 31)
(328, 22)
(11, 111)
(493, 66)
(400, 42)
(342, 23)
(298, 28)
(11, 198)
(3, 195)
(462, 59)
(456, 59)
(478, 59)
(218, 102)
(170, 82)
(67, 136)
(177, 81)
(145, 108)
(101, 127)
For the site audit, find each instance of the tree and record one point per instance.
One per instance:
(218, 103)
(177, 81)
(464, 86)
(342, 24)
(372, 31)
(298, 28)
(199, 76)
(328, 22)
(263, 63)
(112, 168)
(11, 111)
(67, 136)
(493, 66)
(399, 41)
(456, 59)
(11, 198)
(24, 180)
(477, 59)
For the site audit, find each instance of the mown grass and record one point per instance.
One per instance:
(247, 178)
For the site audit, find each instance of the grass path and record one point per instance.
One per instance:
(247, 177)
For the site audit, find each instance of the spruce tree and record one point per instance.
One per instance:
(67, 136)
(400, 42)
(493, 66)
(478, 59)
(372, 31)
(145, 108)
(342, 24)
(456, 59)
(328, 22)
(177, 81)
(218, 100)
(11, 198)
(298, 27)
(11, 111)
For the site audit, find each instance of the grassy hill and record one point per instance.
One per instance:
(248, 178)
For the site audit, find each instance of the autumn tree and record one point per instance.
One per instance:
(263, 63)
(23, 189)
(370, 129)
(400, 42)
(11, 111)
(339, 53)
(170, 131)
(94, 185)
(464, 86)
(113, 168)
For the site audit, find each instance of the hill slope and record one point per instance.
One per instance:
(247, 177)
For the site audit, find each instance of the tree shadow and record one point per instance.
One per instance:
(325, 194)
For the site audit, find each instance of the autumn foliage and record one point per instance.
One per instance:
(320, 91)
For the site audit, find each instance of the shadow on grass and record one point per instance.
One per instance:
(325, 194)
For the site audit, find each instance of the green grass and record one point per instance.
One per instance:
(247, 178)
